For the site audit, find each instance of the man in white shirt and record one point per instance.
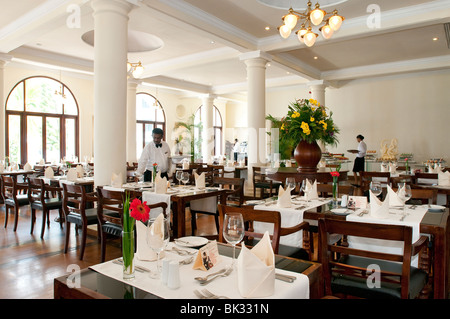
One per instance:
(358, 167)
(157, 152)
(236, 147)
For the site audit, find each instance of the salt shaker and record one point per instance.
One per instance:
(173, 281)
(165, 271)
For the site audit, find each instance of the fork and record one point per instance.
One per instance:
(210, 295)
(226, 273)
(363, 212)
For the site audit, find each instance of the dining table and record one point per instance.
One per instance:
(105, 280)
(431, 220)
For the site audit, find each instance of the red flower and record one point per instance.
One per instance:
(139, 211)
(334, 174)
(154, 164)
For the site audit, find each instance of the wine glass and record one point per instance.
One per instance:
(375, 187)
(305, 190)
(405, 194)
(178, 175)
(290, 183)
(185, 177)
(64, 168)
(233, 231)
(158, 236)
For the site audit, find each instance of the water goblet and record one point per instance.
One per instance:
(178, 175)
(158, 236)
(375, 187)
(185, 178)
(233, 231)
(290, 183)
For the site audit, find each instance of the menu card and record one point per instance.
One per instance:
(357, 202)
(207, 257)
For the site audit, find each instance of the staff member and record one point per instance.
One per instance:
(236, 147)
(157, 152)
(359, 164)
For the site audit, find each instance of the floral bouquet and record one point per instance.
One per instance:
(309, 121)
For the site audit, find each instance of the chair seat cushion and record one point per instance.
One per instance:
(91, 216)
(22, 199)
(358, 286)
(112, 229)
(50, 203)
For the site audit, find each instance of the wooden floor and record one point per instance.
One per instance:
(28, 264)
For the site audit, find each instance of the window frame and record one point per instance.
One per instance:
(23, 122)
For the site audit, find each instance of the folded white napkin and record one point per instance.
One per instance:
(220, 160)
(444, 178)
(256, 269)
(27, 167)
(384, 168)
(230, 163)
(379, 209)
(199, 180)
(2, 167)
(41, 162)
(160, 184)
(210, 160)
(157, 228)
(116, 180)
(311, 190)
(395, 199)
(435, 169)
(392, 168)
(49, 173)
(80, 171)
(288, 163)
(284, 197)
(72, 174)
(276, 164)
(143, 251)
(322, 164)
(185, 165)
(14, 167)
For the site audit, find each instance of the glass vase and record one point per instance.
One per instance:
(128, 255)
(335, 191)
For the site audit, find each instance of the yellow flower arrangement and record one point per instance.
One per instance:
(309, 121)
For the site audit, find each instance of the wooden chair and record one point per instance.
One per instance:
(12, 198)
(422, 196)
(38, 196)
(235, 197)
(425, 178)
(366, 178)
(267, 216)
(218, 170)
(349, 274)
(260, 181)
(75, 202)
(402, 179)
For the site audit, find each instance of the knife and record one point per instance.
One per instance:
(286, 278)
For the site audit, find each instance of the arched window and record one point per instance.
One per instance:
(217, 126)
(41, 121)
(149, 115)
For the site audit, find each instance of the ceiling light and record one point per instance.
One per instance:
(435, 39)
(309, 18)
(135, 69)
(267, 28)
(315, 58)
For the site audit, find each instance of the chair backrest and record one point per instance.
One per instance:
(218, 170)
(208, 174)
(36, 190)
(402, 179)
(258, 174)
(75, 199)
(326, 190)
(250, 215)
(235, 187)
(427, 196)
(425, 178)
(328, 249)
(110, 200)
(366, 178)
(9, 187)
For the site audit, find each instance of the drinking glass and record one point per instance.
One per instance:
(305, 190)
(290, 183)
(404, 195)
(64, 168)
(233, 231)
(375, 187)
(185, 177)
(157, 239)
(178, 175)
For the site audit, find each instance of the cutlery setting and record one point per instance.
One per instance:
(206, 294)
(222, 273)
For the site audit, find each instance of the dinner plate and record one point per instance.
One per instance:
(435, 208)
(341, 211)
(191, 241)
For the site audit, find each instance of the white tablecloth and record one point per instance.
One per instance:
(289, 217)
(227, 286)
(413, 219)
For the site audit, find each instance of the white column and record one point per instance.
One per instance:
(208, 130)
(131, 120)
(110, 88)
(317, 89)
(4, 59)
(256, 106)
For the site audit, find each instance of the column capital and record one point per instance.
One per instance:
(122, 7)
(254, 55)
(318, 84)
(133, 83)
(207, 97)
(5, 59)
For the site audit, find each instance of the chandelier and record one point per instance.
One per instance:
(60, 95)
(311, 16)
(135, 69)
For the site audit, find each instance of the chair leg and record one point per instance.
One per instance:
(6, 215)
(193, 222)
(33, 220)
(216, 217)
(44, 216)
(16, 217)
(61, 218)
(83, 241)
(103, 245)
(66, 242)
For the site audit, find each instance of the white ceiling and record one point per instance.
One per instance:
(202, 40)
